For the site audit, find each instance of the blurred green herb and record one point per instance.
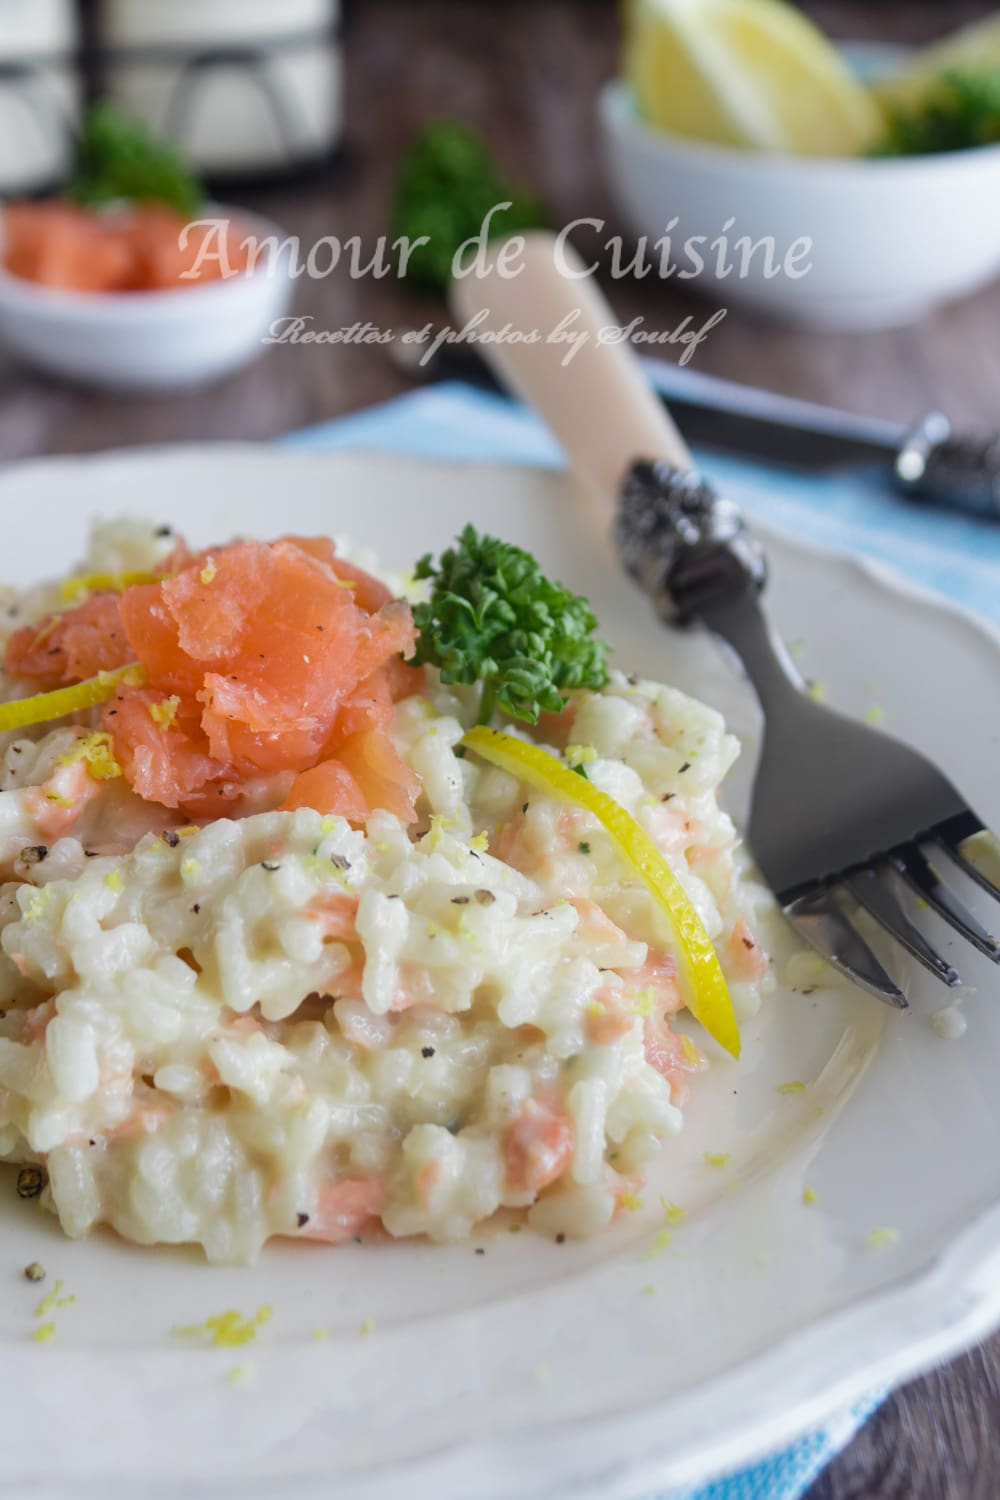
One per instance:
(119, 159)
(960, 111)
(446, 185)
(494, 618)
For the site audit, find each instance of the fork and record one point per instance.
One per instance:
(842, 814)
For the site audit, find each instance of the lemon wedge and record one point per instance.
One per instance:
(746, 73)
(703, 983)
(974, 49)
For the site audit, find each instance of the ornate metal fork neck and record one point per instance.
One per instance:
(691, 551)
(687, 546)
(835, 806)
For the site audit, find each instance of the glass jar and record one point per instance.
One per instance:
(249, 88)
(39, 93)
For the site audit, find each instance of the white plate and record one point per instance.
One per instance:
(542, 1370)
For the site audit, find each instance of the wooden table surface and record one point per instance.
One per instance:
(526, 71)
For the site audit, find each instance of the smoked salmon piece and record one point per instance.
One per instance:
(345, 1209)
(57, 244)
(381, 773)
(329, 788)
(262, 660)
(165, 250)
(67, 647)
(164, 761)
(143, 248)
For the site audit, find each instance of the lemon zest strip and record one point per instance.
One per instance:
(703, 983)
(104, 583)
(93, 691)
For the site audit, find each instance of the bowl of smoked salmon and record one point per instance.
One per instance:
(136, 296)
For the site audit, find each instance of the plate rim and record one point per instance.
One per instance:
(913, 1322)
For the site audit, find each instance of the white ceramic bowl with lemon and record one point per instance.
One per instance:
(773, 120)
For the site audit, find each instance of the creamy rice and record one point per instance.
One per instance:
(280, 1025)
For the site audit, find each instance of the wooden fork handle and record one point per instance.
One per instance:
(587, 386)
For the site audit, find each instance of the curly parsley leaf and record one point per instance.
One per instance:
(446, 185)
(960, 111)
(118, 160)
(494, 618)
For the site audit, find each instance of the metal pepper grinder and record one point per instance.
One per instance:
(250, 89)
(39, 93)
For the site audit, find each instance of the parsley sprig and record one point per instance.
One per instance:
(960, 111)
(494, 618)
(120, 160)
(446, 185)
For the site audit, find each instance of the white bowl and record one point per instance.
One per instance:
(160, 340)
(891, 238)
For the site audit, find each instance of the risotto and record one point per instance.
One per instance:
(226, 1021)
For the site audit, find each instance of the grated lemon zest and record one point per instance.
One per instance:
(643, 1006)
(39, 901)
(882, 1239)
(480, 842)
(874, 715)
(580, 755)
(49, 1301)
(649, 1290)
(45, 1334)
(367, 1328)
(631, 1202)
(672, 1212)
(438, 826)
(468, 934)
(97, 752)
(227, 1330)
(717, 1158)
(794, 1086)
(164, 713)
(59, 799)
(658, 1245)
(691, 1051)
(208, 572)
(190, 869)
(113, 880)
(241, 1374)
(809, 1196)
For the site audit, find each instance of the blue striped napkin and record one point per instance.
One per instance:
(956, 555)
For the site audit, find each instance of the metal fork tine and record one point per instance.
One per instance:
(912, 864)
(874, 895)
(953, 848)
(821, 922)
